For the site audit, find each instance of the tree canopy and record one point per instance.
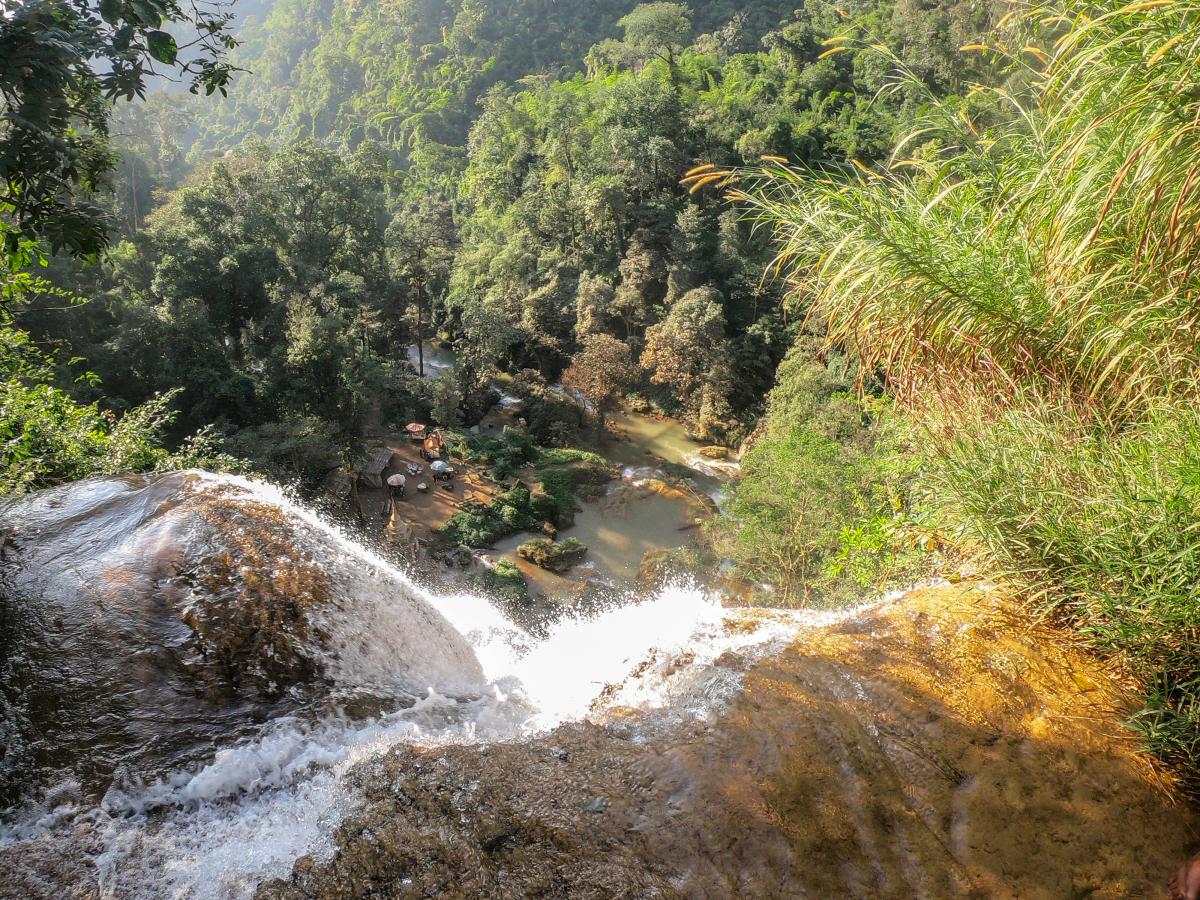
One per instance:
(62, 64)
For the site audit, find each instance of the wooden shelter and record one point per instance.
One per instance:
(337, 484)
(371, 473)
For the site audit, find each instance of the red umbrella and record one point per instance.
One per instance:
(414, 428)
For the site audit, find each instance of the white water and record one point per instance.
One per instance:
(258, 805)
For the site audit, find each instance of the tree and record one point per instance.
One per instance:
(62, 64)
(446, 403)
(601, 372)
(594, 297)
(642, 284)
(421, 240)
(46, 437)
(688, 351)
(658, 30)
(783, 520)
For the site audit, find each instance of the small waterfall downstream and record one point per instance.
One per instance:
(196, 664)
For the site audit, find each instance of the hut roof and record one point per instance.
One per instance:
(337, 483)
(377, 461)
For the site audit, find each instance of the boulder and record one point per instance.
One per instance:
(552, 556)
(143, 615)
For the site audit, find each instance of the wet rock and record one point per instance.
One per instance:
(456, 557)
(140, 618)
(879, 757)
(524, 830)
(714, 452)
(661, 565)
(553, 557)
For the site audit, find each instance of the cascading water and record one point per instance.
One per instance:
(241, 731)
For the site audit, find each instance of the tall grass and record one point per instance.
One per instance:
(1102, 531)
(1039, 237)
(1026, 271)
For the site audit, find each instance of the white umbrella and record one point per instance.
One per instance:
(397, 480)
(439, 466)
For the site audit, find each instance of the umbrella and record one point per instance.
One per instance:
(397, 480)
(440, 466)
(414, 428)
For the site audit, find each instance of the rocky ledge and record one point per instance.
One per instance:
(941, 745)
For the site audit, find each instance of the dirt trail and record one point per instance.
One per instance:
(938, 746)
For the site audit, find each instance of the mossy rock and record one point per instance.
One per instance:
(661, 565)
(506, 581)
(551, 556)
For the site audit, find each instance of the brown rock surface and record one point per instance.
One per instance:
(938, 746)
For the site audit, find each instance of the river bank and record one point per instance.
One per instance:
(664, 486)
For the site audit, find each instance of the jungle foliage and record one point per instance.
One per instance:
(505, 183)
(1022, 271)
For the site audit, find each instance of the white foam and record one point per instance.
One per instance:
(258, 805)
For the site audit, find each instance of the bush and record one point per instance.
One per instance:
(505, 455)
(505, 581)
(567, 474)
(561, 456)
(476, 525)
(822, 511)
(1102, 531)
(551, 556)
(46, 438)
(1028, 284)
(566, 484)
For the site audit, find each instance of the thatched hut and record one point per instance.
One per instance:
(371, 473)
(337, 484)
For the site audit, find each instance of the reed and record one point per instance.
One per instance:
(1025, 272)
(1038, 237)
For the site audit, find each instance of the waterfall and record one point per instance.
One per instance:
(136, 554)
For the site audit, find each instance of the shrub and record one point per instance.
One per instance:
(47, 438)
(1024, 273)
(505, 581)
(551, 556)
(477, 525)
(1102, 531)
(565, 484)
(822, 511)
(506, 455)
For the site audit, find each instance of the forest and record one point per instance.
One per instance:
(929, 265)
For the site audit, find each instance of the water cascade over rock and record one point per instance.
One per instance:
(142, 618)
(210, 693)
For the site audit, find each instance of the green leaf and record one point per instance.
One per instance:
(147, 13)
(110, 11)
(162, 47)
(122, 37)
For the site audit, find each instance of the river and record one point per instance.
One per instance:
(639, 513)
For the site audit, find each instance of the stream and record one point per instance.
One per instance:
(632, 519)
